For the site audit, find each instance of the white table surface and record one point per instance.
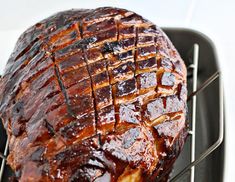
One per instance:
(214, 18)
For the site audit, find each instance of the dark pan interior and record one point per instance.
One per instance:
(211, 169)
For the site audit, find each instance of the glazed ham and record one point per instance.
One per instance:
(94, 95)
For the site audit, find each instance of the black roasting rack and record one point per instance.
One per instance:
(193, 164)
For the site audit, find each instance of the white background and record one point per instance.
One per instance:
(215, 18)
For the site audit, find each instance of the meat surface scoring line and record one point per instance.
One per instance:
(143, 80)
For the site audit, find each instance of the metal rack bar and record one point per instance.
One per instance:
(194, 102)
(4, 159)
(2, 156)
(205, 84)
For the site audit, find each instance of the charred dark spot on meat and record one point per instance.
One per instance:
(80, 44)
(50, 128)
(149, 63)
(19, 108)
(111, 47)
(126, 87)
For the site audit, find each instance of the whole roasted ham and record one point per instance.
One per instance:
(94, 95)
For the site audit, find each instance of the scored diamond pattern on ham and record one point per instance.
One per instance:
(94, 95)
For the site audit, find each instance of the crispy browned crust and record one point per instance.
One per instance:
(95, 94)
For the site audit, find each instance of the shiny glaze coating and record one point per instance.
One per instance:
(94, 95)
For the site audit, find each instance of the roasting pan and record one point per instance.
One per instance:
(208, 103)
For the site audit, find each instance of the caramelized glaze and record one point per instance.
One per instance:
(94, 95)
